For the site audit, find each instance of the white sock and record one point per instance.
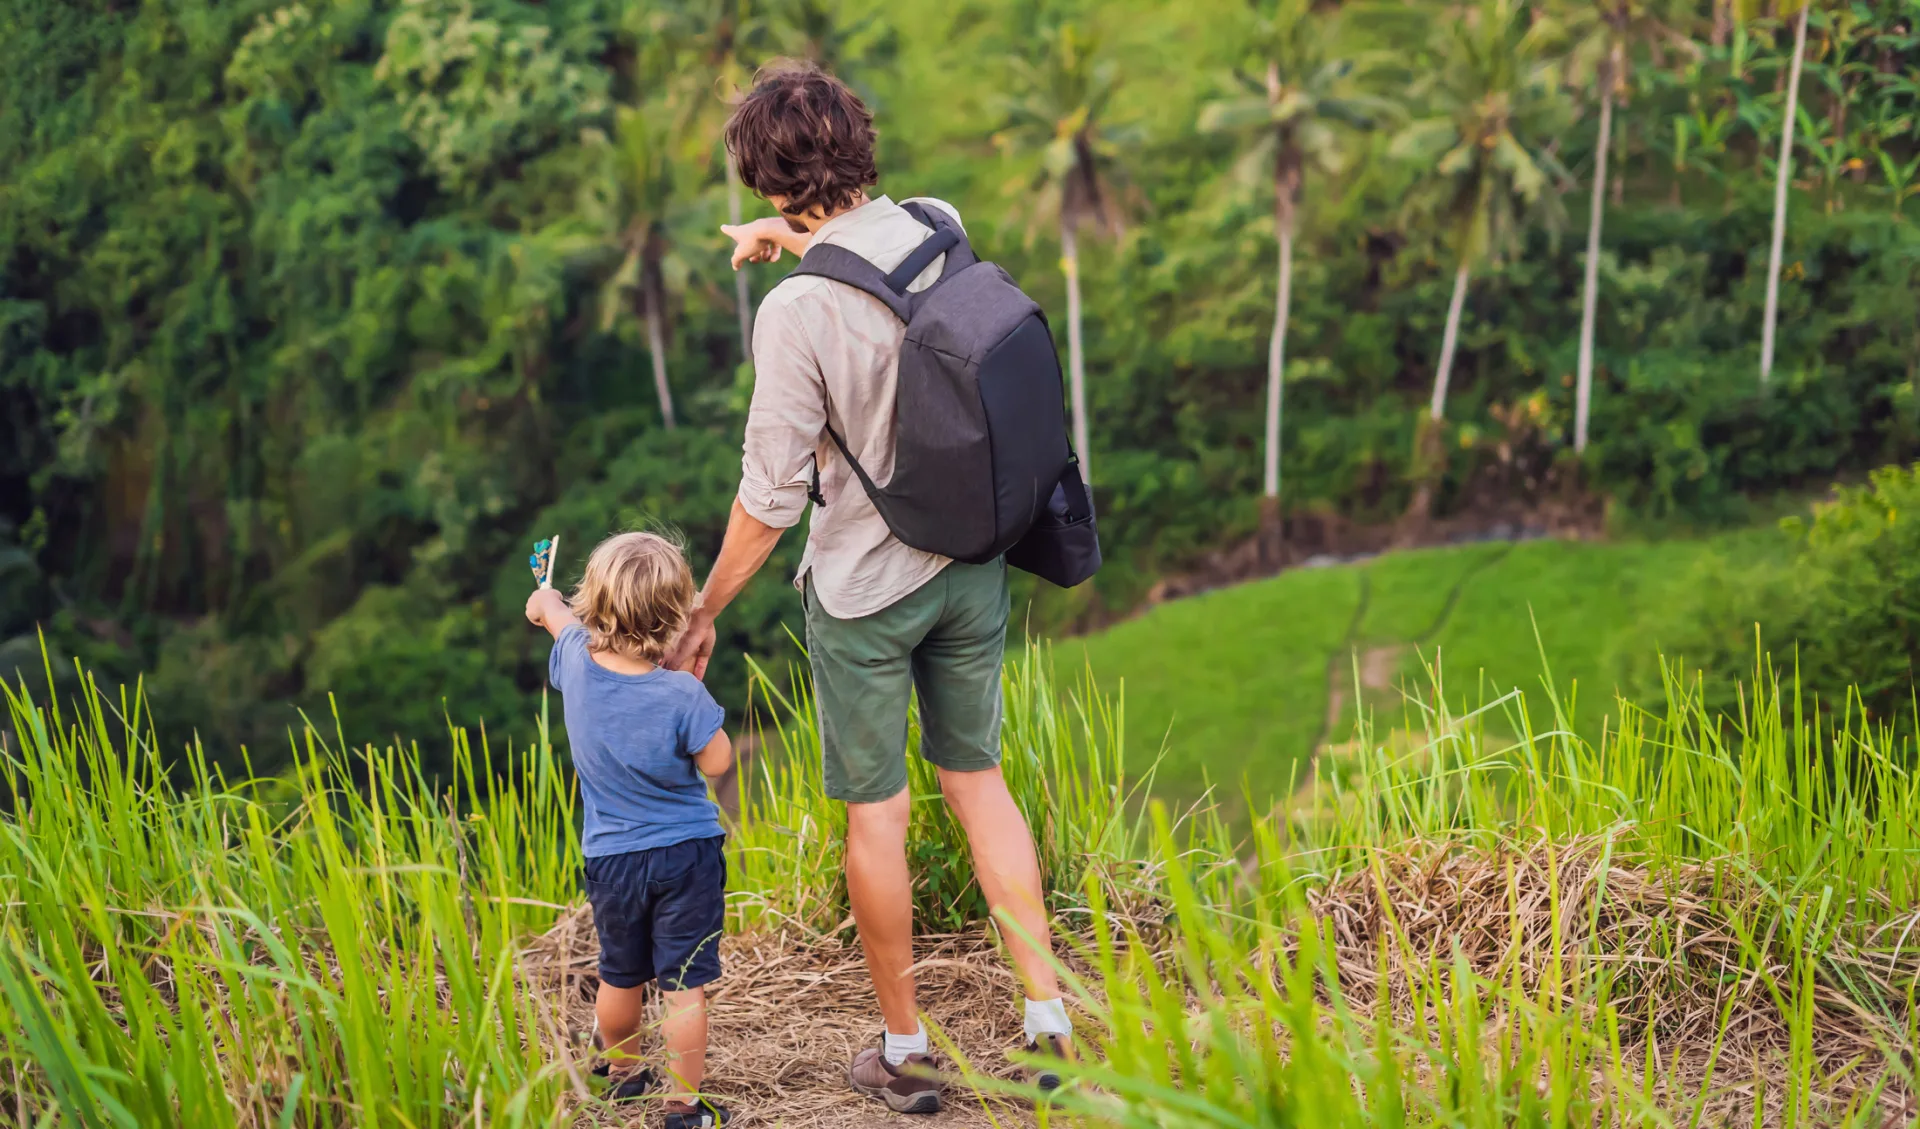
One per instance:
(900, 1046)
(1047, 1017)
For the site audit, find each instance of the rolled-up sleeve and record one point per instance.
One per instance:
(787, 417)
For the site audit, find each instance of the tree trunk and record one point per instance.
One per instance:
(1077, 374)
(1619, 175)
(1783, 177)
(1722, 22)
(1429, 451)
(1276, 365)
(1590, 296)
(657, 347)
(742, 298)
(1287, 161)
(1447, 342)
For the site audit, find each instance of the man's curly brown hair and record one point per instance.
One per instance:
(801, 134)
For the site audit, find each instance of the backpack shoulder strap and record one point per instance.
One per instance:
(842, 265)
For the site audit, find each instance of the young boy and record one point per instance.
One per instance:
(642, 737)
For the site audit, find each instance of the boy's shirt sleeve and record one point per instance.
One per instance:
(702, 718)
(562, 660)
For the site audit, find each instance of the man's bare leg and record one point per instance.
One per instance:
(1008, 870)
(881, 891)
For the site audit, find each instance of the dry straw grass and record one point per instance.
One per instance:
(1550, 919)
(790, 1013)
(1545, 919)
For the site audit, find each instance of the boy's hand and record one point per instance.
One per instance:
(542, 606)
(548, 608)
(759, 241)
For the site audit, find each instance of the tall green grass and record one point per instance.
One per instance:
(1685, 919)
(1785, 795)
(337, 948)
(343, 945)
(1720, 928)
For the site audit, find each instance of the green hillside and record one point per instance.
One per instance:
(1234, 685)
(314, 316)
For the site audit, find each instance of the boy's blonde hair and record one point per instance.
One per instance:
(635, 595)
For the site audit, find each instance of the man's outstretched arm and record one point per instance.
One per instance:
(748, 543)
(785, 422)
(762, 240)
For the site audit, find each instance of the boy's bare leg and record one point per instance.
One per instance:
(1008, 870)
(620, 1012)
(684, 1030)
(881, 891)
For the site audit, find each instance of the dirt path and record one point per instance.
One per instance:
(786, 1019)
(1379, 663)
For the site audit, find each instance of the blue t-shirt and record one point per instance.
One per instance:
(634, 737)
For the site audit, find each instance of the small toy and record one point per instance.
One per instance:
(541, 562)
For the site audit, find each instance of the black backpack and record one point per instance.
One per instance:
(981, 465)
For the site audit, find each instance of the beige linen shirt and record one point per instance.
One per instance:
(826, 353)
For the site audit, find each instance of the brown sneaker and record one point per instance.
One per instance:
(912, 1087)
(1049, 1051)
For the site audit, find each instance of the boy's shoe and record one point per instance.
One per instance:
(911, 1087)
(636, 1085)
(1050, 1050)
(705, 1115)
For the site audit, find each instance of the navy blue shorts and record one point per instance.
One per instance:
(660, 913)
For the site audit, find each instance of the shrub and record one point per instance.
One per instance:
(1845, 602)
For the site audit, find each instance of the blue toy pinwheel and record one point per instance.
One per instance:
(541, 562)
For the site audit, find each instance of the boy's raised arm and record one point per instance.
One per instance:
(548, 608)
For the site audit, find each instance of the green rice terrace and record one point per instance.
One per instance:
(1243, 685)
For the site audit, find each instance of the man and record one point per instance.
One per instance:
(882, 620)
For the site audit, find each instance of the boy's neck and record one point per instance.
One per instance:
(619, 663)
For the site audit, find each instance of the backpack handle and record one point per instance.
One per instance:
(931, 248)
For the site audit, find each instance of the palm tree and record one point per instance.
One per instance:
(1782, 176)
(716, 45)
(1606, 31)
(726, 41)
(635, 199)
(1487, 163)
(742, 296)
(1055, 115)
(820, 32)
(1289, 117)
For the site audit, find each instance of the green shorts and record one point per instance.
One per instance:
(946, 641)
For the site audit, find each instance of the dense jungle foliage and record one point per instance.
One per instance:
(314, 315)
